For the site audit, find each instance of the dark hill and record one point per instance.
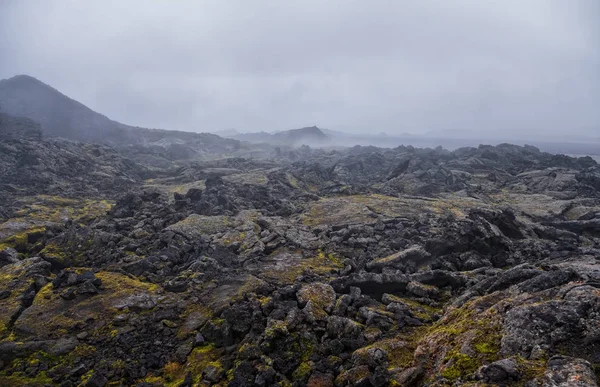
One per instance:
(312, 136)
(61, 116)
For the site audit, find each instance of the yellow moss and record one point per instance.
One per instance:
(20, 241)
(481, 330)
(234, 237)
(251, 285)
(419, 310)
(291, 180)
(85, 377)
(352, 376)
(83, 350)
(194, 312)
(356, 209)
(461, 366)
(45, 293)
(70, 254)
(275, 329)
(173, 371)
(286, 273)
(54, 251)
(202, 357)
(532, 369)
(50, 316)
(124, 284)
(303, 371)
(13, 381)
(43, 209)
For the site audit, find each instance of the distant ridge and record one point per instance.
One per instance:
(61, 116)
(310, 135)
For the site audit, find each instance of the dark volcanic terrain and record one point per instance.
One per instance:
(296, 266)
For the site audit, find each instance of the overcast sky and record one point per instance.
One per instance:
(523, 66)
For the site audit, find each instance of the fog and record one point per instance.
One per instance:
(451, 68)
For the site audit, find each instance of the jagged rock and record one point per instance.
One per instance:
(318, 300)
(414, 254)
(501, 371)
(565, 371)
(96, 380)
(375, 284)
(371, 357)
(8, 256)
(556, 322)
(177, 285)
(342, 327)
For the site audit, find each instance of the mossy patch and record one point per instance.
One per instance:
(50, 316)
(56, 209)
(421, 311)
(362, 209)
(21, 240)
(470, 326)
(12, 279)
(202, 357)
(302, 372)
(284, 266)
(70, 251)
(197, 226)
(35, 213)
(15, 380)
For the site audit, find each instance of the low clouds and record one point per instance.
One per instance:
(476, 66)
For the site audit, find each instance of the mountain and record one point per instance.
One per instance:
(312, 136)
(61, 116)
(227, 133)
(303, 136)
(17, 128)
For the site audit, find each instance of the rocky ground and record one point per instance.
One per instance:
(355, 267)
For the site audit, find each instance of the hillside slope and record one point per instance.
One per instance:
(61, 116)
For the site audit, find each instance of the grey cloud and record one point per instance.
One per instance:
(523, 66)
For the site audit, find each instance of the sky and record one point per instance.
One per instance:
(462, 66)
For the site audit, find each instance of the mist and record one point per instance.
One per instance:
(456, 69)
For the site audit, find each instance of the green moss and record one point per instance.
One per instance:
(21, 241)
(72, 253)
(421, 311)
(461, 366)
(54, 251)
(302, 347)
(87, 376)
(56, 209)
(400, 349)
(352, 376)
(303, 371)
(291, 180)
(83, 350)
(490, 347)
(202, 357)
(531, 370)
(481, 330)
(276, 329)
(321, 264)
(49, 316)
(16, 380)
